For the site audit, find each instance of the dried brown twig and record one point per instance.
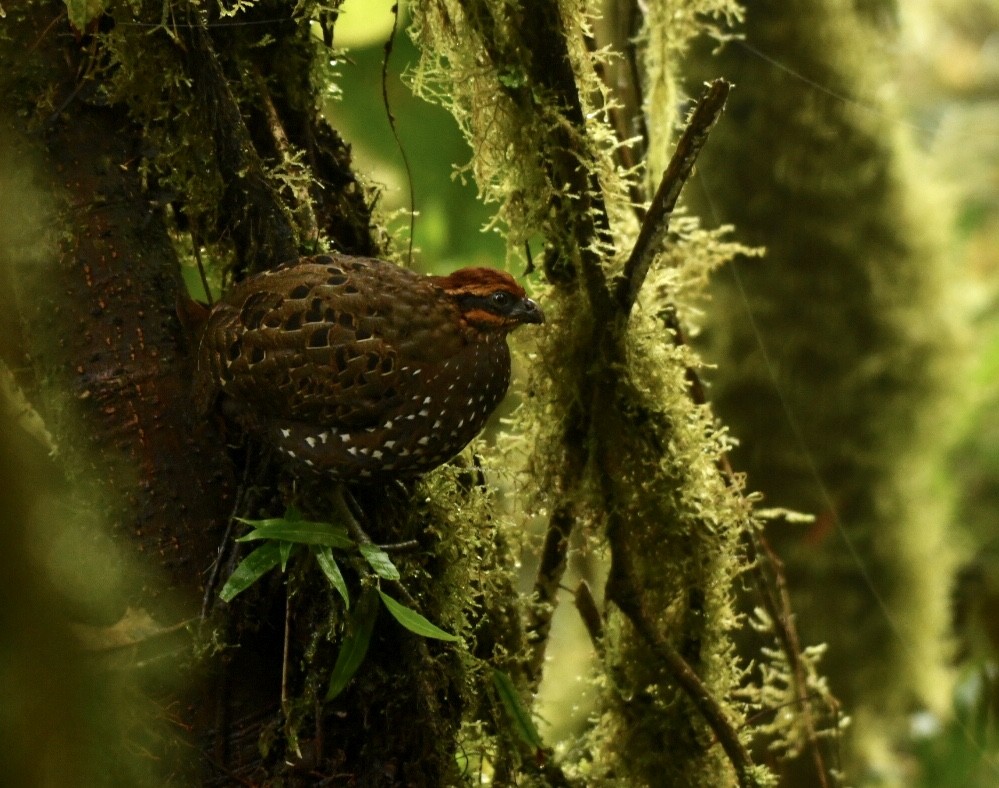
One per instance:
(657, 220)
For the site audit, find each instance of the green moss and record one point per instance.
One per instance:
(833, 351)
(142, 63)
(504, 115)
(609, 426)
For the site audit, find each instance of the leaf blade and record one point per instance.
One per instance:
(299, 532)
(518, 714)
(251, 569)
(413, 621)
(354, 646)
(379, 561)
(326, 561)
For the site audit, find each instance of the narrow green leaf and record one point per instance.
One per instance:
(519, 716)
(355, 643)
(413, 621)
(326, 561)
(251, 569)
(286, 549)
(379, 561)
(300, 532)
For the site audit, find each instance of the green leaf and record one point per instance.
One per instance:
(298, 531)
(286, 549)
(413, 621)
(379, 561)
(251, 569)
(355, 643)
(326, 561)
(519, 716)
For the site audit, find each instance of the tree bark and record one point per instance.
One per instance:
(110, 367)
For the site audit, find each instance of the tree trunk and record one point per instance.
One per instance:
(145, 139)
(834, 348)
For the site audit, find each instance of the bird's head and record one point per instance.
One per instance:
(490, 300)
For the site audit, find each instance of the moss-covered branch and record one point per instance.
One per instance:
(620, 444)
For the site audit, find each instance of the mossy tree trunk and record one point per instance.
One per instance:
(144, 129)
(834, 348)
(625, 448)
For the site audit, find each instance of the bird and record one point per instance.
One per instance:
(356, 368)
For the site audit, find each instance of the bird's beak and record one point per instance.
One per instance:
(527, 311)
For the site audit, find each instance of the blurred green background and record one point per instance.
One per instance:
(448, 228)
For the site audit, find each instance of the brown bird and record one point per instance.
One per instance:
(358, 368)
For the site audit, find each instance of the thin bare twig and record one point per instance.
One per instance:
(780, 612)
(285, 649)
(656, 224)
(588, 611)
(400, 547)
(389, 46)
(196, 245)
(342, 510)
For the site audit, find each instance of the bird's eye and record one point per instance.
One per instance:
(501, 299)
